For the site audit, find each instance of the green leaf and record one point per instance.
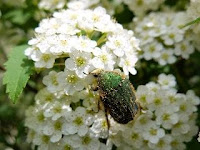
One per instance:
(18, 71)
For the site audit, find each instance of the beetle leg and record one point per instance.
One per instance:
(107, 120)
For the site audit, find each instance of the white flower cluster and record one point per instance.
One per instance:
(167, 120)
(161, 37)
(83, 40)
(55, 124)
(75, 42)
(199, 137)
(51, 4)
(68, 122)
(193, 12)
(74, 121)
(66, 115)
(140, 7)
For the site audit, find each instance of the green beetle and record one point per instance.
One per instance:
(117, 95)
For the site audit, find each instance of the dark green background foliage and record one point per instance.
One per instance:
(17, 20)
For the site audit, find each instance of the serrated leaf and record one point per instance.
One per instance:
(18, 71)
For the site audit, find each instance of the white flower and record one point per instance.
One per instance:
(70, 142)
(192, 98)
(154, 87)
(30, 136)
(56, 110)
(166, 117)
(140, 7)
(90, 99)
(68, 29)
(43, 141)
(166, 57)
(152, 51)
(45, 61)
(100, 126)
(114, 139)
(180, 128)
(128, 64)
(177, 143)
(166, 81)
(77, 5)
(62, 44)
(79, 62)
(153, 133)
(186, 108)
(100, 21)
(174, 99)
(143, 121)
(48, 27)
(51, 4)
(193, 131)
(75, 97)
(157, 100)
(172, 36)
(118, 44)
(84, 44)
(132, 137)
(163, 143)
(71, 17)
(35, 119)
(33, 52)
(199, 137)
(89, 143)
(47, 46)
(54, 130)
(96, 20)
(143, 95)
(51, 81)
(78, 120)
(70, 82)
(115, 127)
(184, 49)
(44, 97)
(81, 4)
(103, 59)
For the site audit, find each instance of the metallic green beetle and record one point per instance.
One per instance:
(117, 95)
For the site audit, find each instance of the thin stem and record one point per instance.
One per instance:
(102, 39)
(59, 64)
(91, 34)
(191, 23)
